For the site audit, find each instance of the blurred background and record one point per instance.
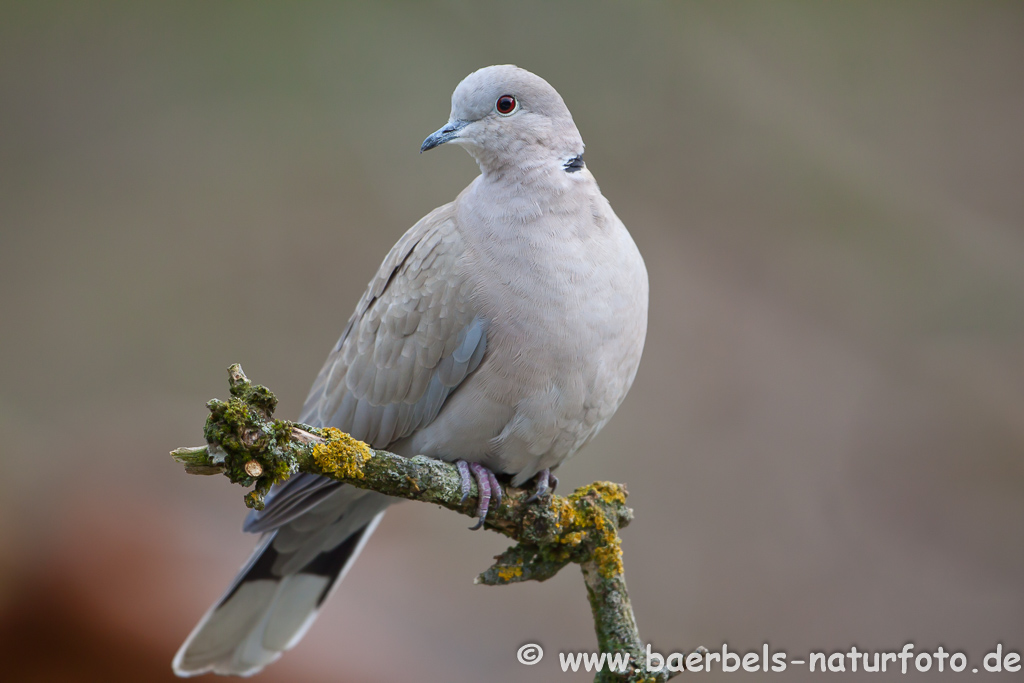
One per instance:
(825, 442)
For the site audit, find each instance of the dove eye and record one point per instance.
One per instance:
(506, 105)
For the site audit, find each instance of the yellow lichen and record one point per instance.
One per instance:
(341, 454)
(609, 559)
(580, 516)
(567, 517)
(610, 492)
(508, 573)
(574, 538)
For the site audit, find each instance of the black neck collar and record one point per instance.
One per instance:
(574, 164)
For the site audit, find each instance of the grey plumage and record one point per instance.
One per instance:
(504, 328)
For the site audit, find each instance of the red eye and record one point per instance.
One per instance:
(506, 104)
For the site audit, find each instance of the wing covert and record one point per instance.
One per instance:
(413, 338)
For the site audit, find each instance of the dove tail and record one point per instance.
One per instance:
(263, 614)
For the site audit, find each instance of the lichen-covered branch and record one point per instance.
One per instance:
(250, 447)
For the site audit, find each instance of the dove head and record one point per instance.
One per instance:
(510, 119)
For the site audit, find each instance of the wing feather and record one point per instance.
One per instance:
(412, 340)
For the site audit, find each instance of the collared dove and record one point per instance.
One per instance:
(502, 332)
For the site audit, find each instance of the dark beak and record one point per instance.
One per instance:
(446, 134)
